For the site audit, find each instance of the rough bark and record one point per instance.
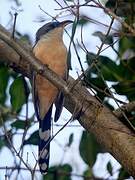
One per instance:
(96, 118)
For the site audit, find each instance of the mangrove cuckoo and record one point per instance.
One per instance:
(51, 51)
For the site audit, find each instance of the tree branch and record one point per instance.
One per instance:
(96, 118)
(126, 108)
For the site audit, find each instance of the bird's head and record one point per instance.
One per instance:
(51, 27)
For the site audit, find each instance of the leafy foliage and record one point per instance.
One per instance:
(109, 168)
(61, 172)
(89, 148)
(105, 66)
(71, 137)
(69, 51)
(33, 139)
(106, 40)
(102, 69)
(123, 174)
(19, 93)
(88, 174)
(121, 73)
(82, 21)
(122, 8)
(2, 143)
(20, 124)
(4, 76)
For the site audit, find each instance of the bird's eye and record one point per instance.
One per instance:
(56, 24)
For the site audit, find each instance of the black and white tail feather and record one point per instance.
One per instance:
(45, 128)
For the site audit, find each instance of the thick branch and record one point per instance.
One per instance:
(126, 108)
(109, 131)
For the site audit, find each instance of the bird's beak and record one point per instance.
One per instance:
(66, 22)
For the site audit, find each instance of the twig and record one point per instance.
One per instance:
(126, 108)
(14, 25)
(49, 171)
(108, 11)
(14, 148)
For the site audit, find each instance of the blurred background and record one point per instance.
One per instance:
(102, 45)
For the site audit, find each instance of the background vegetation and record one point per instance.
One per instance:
(112, 82)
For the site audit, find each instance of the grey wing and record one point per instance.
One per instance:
(59, 105)
(35, 97)
(59, 102)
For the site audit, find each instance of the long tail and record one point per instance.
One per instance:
(44, 142)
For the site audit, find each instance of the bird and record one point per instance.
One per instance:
(51, 51)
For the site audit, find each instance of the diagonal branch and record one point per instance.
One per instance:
(96, 118)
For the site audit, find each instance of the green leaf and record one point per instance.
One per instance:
(69, 51)
(24, 38)
(88, 174)
(69, 60)
(109, 168)
(65, 169)
(111, 4)
(98, 85)
(126, 88)
(123, 174)
(106, 66)
(129, 66)
(59, 172)
(126, 9)
(104, 39)
(98, 82)
(33, 139)
(51, 174)
(20, 124)
(74, 28)
(4, 76)
(102, 66)
(19, 93)
(91, 57)
(126, 43)
(122, 8)
(70, 139)
(89, 148)
(123, 72)
(126, 70)
(82, 21)
(2, 143)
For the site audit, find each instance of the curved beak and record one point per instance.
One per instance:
(66, 22)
